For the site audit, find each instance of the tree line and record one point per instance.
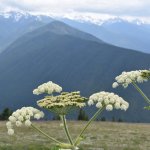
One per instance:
(82, 116)
(5, 114)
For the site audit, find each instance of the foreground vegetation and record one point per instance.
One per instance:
(100, 136)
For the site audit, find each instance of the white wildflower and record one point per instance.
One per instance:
(37, 116)
(18, 123)
(140, 79)
(28, 123)
(99, 105)
(108, 100)
(12, 119)
(27, 117)
(30, 113)
(109, 107)
(23, 115)
(127, 78)
(90, 102)
(20, 118)
(115, 84)
(10, 131)
(48, 88)
(111, 100)
(124, 107)
(41, 114)
(8, 125)
(36, 92)
(15, 114)
(117, 105)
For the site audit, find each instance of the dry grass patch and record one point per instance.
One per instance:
(99, 136)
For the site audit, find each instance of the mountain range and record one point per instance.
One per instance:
(117, 31)
(75, 60)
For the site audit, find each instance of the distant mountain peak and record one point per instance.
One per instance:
(61, 28)
(58, 24)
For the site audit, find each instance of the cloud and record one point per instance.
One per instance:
(112, 7)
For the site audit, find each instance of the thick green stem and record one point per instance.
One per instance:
(89, 122)
(63, 117)
(141, 92)
(51, 138)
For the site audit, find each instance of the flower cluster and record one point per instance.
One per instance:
(127, 78)
(62, 103)
(146, 74)
(21, 116)
(48, 88)
(108, 100)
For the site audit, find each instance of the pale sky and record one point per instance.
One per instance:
(130, 8)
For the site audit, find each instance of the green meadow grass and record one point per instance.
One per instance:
(99, 136)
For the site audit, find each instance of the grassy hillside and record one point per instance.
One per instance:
(100, 136)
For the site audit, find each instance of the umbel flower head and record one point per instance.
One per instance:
(127, 78)
(48, 88)
(108, 100)
(23, 116)
(62, 103)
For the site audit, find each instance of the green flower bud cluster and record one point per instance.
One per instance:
(63, 103)
(146, 74)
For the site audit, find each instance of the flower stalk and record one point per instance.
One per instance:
(89, 122)
(141, 92)
(49, 137)
(63, 118)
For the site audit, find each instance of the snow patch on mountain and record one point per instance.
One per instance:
(17, 16)
(93, 18)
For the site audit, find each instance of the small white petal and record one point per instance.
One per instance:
(99, 105)
(90, 102)
(28, 123)
(109, 107)
(37, 116)
(12, 119)
(18, 123)
(115, 84)
(20, 118)
(117, 105)
(9, 125)
(10, 131)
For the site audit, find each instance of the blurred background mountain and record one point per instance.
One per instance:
(78, 55)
